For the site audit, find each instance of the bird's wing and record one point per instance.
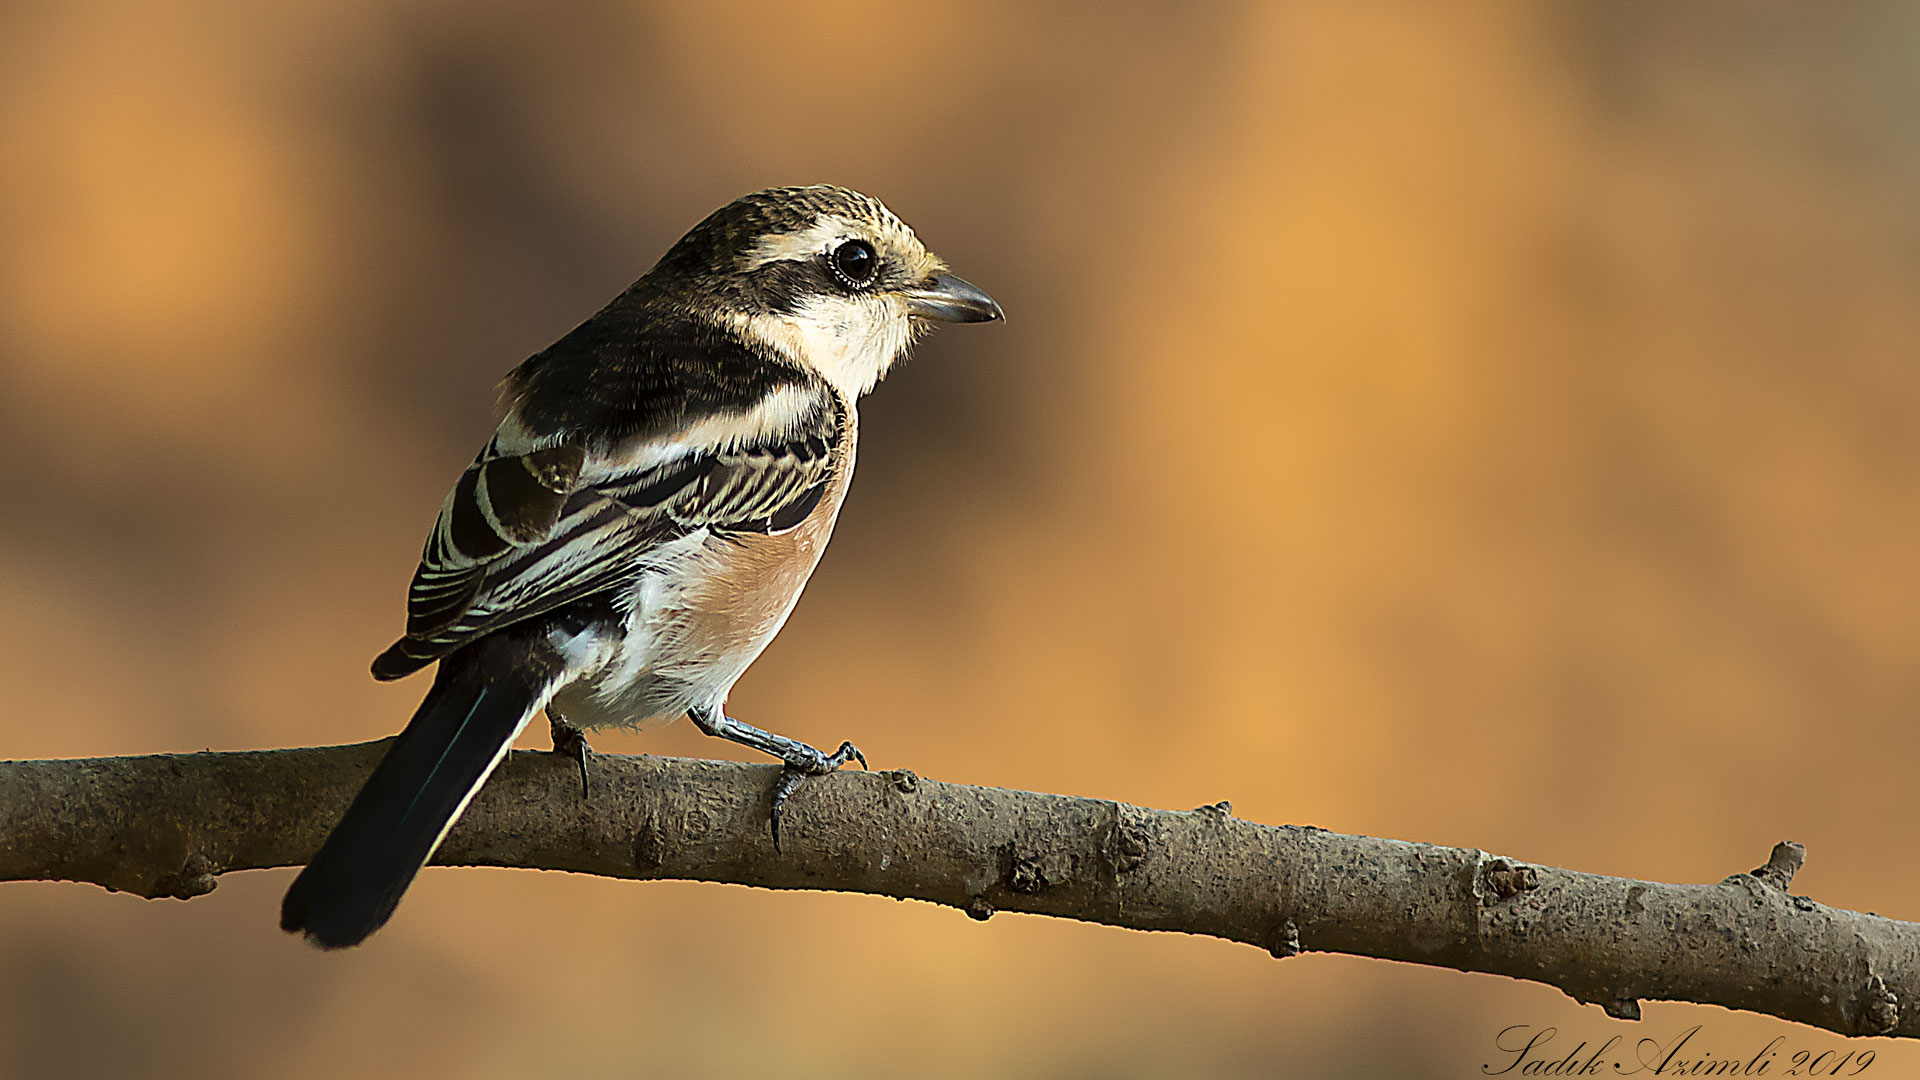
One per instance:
(524, 533)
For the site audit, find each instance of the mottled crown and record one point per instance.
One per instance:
(731, 234)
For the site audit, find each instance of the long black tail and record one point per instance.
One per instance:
(482, 697)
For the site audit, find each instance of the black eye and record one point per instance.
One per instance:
(855, 262)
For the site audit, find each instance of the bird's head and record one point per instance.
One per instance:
(827, 277)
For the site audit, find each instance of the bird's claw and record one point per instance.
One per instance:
(571, 742)
(801, 766)
(847, 752)
(847, 747)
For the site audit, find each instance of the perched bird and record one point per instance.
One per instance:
(643, 520)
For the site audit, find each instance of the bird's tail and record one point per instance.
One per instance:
(482, 698)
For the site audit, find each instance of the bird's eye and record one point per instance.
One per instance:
(854, 262)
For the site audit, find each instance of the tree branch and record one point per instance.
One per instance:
(167, 825)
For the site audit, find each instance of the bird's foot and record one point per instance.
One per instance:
(571, 742)
(804, 762)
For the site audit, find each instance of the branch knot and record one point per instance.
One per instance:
(1882, 1011)
(1128, 839)
(1782, 864)
(1507, 879)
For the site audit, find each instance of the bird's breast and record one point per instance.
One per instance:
(748, 583)
(697, 624)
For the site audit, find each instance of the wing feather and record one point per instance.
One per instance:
(522, 534)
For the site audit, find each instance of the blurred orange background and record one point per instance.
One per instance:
(1496, 425)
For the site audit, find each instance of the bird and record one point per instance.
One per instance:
(641, 523)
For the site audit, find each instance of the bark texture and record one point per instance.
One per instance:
(168, 825)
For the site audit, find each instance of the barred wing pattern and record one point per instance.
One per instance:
(521, 535)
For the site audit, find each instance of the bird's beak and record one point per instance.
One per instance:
(952, 299)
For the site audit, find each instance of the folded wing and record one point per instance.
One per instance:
(524, 533)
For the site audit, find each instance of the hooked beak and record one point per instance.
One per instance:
(952, 299)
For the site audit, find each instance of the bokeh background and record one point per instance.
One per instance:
(1496, 425)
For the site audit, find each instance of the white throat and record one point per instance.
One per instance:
(850, 341)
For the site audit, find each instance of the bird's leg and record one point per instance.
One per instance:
(802, 760)
(572, 742)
